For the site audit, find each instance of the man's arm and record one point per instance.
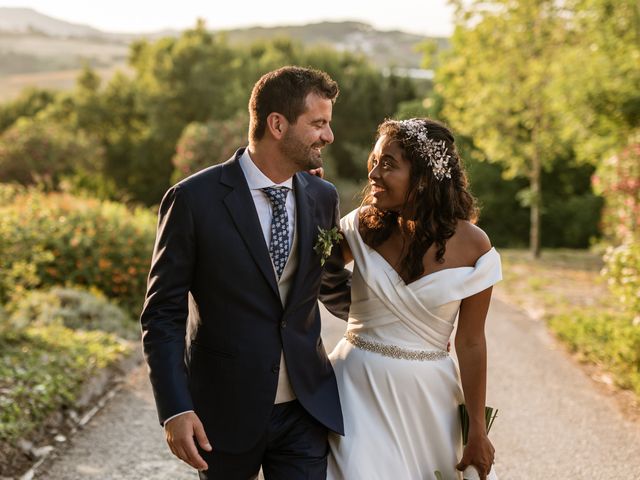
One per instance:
(335, 289)
(164, 316)
(164, 323)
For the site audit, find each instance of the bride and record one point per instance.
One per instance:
(420, 263)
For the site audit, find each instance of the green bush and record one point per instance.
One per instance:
(5, 327)
(607, 339)
(42, 370)
(42, 152)
(58, 239)
(28, 103)
(73, 308)
(622, 271)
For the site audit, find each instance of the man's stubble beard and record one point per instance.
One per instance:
(301, 155)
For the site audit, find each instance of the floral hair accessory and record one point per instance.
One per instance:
(435, 151)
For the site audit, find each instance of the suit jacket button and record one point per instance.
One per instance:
(283, 323)
(275, 368)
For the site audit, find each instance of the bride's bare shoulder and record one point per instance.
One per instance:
(472, 240)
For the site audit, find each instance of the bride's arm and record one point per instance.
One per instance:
(471, 350)
(346, 251)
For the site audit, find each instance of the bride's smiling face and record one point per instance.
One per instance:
(389, 175)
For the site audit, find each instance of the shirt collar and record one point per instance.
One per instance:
(255, 178)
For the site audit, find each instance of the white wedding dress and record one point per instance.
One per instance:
(399, 389)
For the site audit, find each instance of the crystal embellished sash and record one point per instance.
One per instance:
(394, 351)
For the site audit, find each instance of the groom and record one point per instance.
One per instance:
(230, 325)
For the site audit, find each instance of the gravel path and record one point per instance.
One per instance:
(553, 421)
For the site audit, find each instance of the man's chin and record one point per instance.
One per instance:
(315, 163)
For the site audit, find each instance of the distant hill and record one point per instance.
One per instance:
(34, 43)
(385, 48)
(27, 20)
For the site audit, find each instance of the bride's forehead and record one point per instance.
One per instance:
(387, 145)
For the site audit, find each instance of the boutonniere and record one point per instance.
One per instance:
(325, 241)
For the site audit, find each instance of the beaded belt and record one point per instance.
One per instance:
(393, 350)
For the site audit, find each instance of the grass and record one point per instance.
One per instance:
(559, 280)
(42, 370)
(605, 339)
(565, 289)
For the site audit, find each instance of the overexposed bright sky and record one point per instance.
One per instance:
(425, 17)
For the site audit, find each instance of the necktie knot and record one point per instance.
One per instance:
(277, 195)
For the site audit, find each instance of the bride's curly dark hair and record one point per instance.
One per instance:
(432, 207)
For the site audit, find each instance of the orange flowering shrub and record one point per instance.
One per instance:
(59, 239)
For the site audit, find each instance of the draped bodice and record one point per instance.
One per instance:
(417, 315)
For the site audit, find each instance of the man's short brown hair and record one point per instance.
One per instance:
(284, 91)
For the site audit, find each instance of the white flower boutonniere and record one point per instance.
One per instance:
(324, 243)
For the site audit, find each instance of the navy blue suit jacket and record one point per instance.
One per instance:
(213, 324)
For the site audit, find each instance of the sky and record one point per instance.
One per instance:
(425, 17)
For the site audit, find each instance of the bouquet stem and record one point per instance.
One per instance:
(490, 414)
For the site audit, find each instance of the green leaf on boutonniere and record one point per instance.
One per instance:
(325, 241)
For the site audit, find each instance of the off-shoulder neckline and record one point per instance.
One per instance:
(394, 272)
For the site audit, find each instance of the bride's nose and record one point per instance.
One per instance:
(374, 173)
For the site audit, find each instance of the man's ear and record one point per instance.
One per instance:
(277, 125)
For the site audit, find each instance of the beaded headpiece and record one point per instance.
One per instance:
(434, 151)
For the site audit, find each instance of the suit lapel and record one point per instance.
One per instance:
(242, 209)
(305, 207)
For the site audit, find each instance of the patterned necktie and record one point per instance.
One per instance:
(279, 248)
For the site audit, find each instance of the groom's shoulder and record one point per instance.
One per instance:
(204, 179)
(201, 178)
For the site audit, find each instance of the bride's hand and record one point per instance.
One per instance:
(478, 452)
(318, 172)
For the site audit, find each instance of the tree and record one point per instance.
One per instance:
(497, 87)
(193, 78)
(38, 152)
(204, 144)
(599, 82)
(600, 88)
(28, 104)
(198, 78)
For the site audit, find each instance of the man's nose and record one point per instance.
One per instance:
(327, 135)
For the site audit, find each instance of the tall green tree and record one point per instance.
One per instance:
(497, 84)
(599, 85)
(30, 101)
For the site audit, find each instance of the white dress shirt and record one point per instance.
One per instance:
(258, 180)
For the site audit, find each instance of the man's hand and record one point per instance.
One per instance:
(318, 172)
(179, 432)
